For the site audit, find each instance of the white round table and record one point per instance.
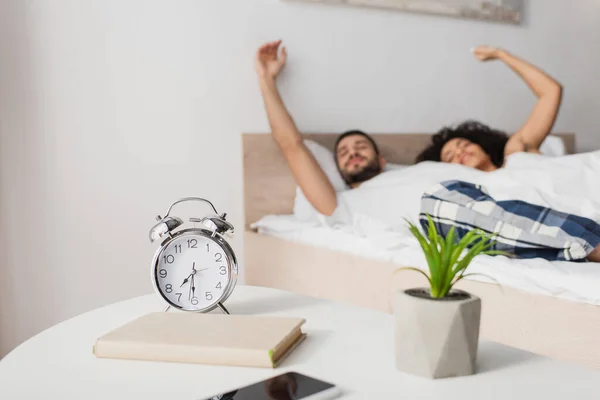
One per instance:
(346, 345)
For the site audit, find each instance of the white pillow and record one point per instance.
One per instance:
(303, 210)
(393, 167)
(553, 146)
(393, 196)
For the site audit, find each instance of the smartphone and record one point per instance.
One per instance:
(288, 386)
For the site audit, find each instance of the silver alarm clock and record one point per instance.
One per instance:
(194, 269)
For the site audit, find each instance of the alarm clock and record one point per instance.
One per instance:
(195, 268)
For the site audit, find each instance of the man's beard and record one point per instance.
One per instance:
(370, 170)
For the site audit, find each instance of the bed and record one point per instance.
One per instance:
(557, 316)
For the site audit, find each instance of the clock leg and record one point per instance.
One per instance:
(222, 307)
(167, 308)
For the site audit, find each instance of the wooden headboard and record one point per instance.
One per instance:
(269, 187)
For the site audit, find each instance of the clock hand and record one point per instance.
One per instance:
(193, 287)
(186, 280)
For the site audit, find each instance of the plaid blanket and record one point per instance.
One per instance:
(524, 230)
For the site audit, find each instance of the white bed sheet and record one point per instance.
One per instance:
(567, 280)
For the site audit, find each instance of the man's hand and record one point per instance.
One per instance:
(267, 62)
(486, 53)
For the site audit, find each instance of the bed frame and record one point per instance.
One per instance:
(546, 325)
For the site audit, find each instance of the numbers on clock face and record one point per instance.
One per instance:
(192, 272)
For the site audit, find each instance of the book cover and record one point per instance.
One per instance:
(219, 339)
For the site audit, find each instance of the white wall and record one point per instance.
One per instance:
(111, 110)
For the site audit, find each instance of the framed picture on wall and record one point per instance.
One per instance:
(505, 11)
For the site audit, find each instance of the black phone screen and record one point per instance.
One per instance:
(289, 386)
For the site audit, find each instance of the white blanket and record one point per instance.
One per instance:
(569, 184)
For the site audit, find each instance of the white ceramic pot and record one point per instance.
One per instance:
(436, 338)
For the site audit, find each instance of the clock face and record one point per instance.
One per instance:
(193, 271)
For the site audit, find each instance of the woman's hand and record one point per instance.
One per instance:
(267, 62)
(486, 53)
(548, 92)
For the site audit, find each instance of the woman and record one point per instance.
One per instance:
(476, 145)
(466, 206)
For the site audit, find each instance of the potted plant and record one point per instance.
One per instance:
(437, 327)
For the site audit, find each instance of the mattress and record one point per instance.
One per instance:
(573, 281)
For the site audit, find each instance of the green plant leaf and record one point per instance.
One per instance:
(462, 245)
(421, 239)
(434, 236)
(466, 241)
(448, 283)
(449, 246)
(472, 253)
(497, 253)
(434, 268)
(484, 242)
(431, 254)
(432, 232)
(435, 248)
(487, 276)
(476, 274)
(451, 237)
(425, 245)
(446, 266)
(419, 271)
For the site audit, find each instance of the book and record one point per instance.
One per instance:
(218, 339)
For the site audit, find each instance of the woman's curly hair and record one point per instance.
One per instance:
(491, 141)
